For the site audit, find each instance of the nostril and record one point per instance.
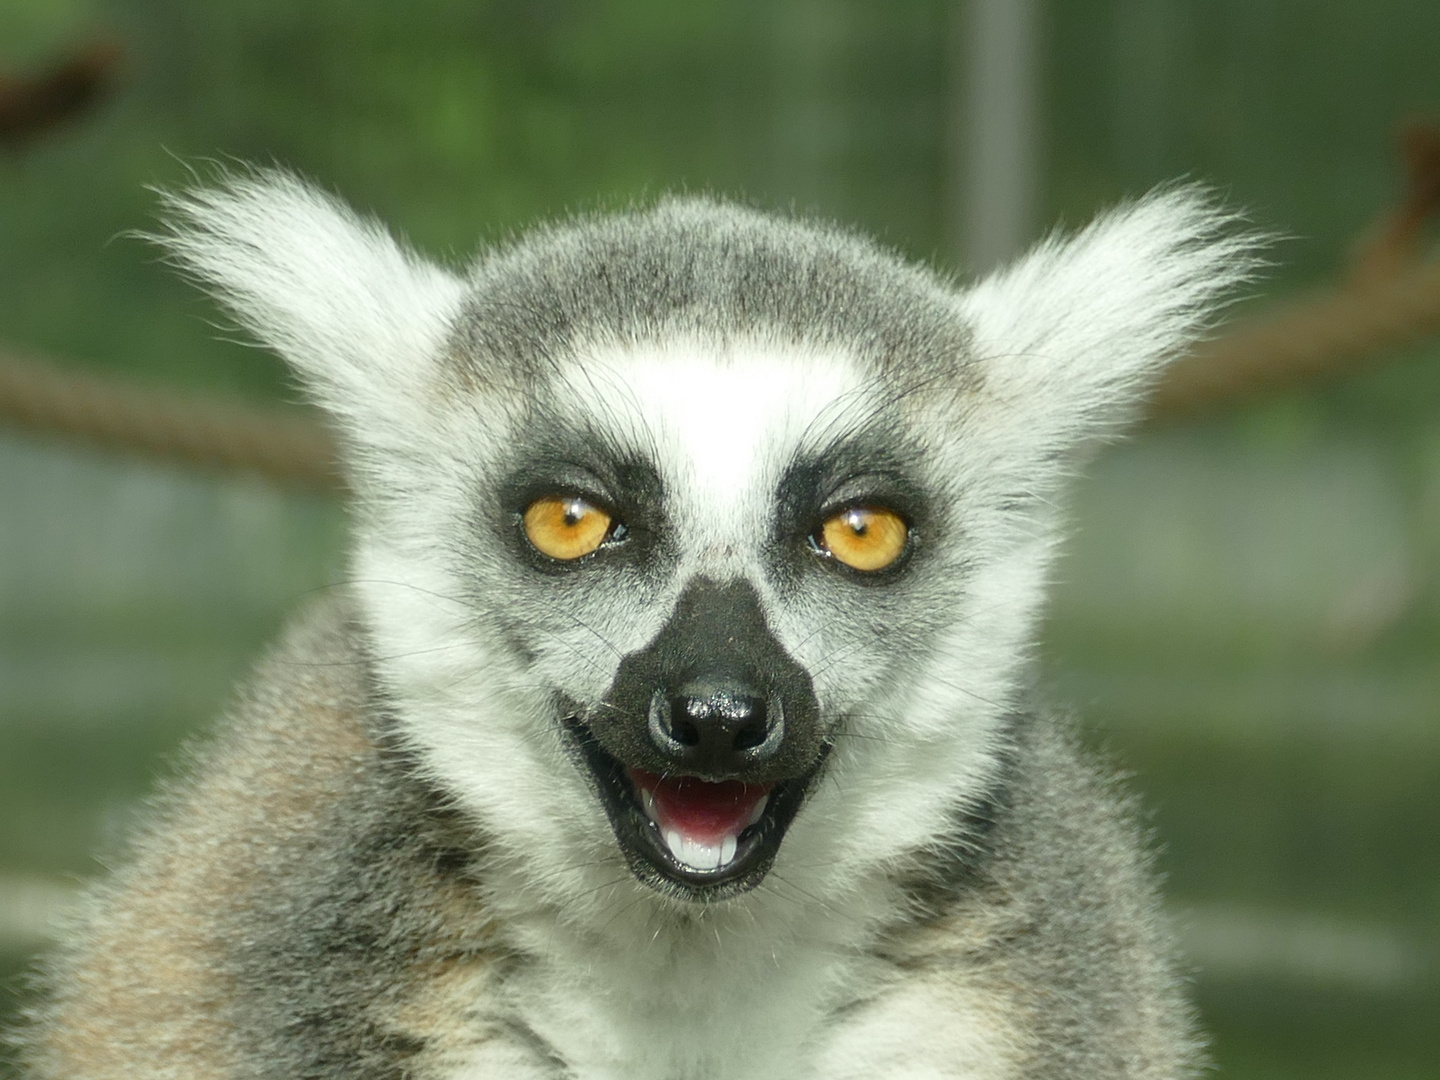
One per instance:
(749, 736)
(753, 730)
(671, 729)
(683, 730)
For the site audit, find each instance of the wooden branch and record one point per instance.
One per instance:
(289, 445)
(1330, 333)
(1390, 297)
(32, 105)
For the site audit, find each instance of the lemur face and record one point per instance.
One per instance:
(718, 580)
(704, 542)
(698, 549)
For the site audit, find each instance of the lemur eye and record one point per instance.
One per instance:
(565, 527)
(864, 537)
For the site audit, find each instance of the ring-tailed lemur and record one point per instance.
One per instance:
(674, 724)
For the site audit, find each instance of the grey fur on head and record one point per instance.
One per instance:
(675, 721)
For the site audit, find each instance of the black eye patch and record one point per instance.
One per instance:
(853, 472)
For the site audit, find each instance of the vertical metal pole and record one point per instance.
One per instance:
(1145, 61)
(994, 133)
(810, 129)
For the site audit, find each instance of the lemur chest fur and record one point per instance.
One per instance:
(804, 1010)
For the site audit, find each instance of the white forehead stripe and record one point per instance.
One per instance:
(729, 418)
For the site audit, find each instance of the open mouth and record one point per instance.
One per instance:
(688, 836)
(702, 822)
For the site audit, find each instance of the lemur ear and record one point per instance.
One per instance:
(359, 318)
(1072, 336)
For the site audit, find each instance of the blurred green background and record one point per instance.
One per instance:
(1248, 610)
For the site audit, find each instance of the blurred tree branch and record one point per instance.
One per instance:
(32, 105)
(1390, 296)
(290, 445)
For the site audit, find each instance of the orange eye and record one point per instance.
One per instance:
(865, 538)
(565, 527)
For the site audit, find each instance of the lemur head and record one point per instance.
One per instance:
(696, 540)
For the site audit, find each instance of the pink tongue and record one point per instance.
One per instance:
(701, 810)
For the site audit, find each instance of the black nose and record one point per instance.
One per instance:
(714, 730)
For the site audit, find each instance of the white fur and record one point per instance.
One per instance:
(722, 419)
(926, 1029)
(360, 319)
(628, 984)
(1074, 333)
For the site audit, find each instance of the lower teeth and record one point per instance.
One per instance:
(698, 856)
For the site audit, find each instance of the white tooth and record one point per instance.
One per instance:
(759, 811)
(698, 856)
(703, 856)
(727, 850)
(692, 854)
(647, 803)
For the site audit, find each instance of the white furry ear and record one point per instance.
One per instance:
(1073, 335)
(358, 317)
